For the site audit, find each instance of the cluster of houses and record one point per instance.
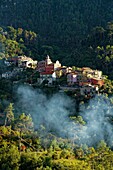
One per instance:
(81, 76)
(86, 79)
(19, 63)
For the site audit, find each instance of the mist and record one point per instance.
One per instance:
(52, 113)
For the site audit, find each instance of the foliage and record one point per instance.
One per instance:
(9, 156)
(17, 42)
(83, 157)
(30, 160)
(24, 123)
(9, 114)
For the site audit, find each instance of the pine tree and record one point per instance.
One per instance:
(9, 114)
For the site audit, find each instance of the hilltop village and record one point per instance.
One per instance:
(83, 81)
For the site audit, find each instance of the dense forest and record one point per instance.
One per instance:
(39, 127)
(68, 30)
(60, 22)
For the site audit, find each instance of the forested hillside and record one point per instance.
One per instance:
(41, 126)
(58, 22)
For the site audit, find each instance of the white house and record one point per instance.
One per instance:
(50, 77)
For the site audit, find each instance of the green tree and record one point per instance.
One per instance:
(102, 146)
(9, 114)
(24, 123)
(30, 161)
(11, 33)
(9, 156)
(13, 48)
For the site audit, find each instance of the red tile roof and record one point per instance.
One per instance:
(46, 73)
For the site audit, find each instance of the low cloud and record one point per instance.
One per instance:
(53, 113)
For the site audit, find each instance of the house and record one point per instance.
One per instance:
(94, 77)
(59, 73)
(41, 66)
(47, 65)
(91, 73)
(97, 81)
(26, 62)
(57, 65)
(63, 69)
(21, 61)
(83, 79)
(72, 78)
(88, 91)
(86, 70)
(48, 60)
(97, 74)
(12, 61)
(13, 73)
(68, 70)
(7, 74)
(49, 77)
(47, 70)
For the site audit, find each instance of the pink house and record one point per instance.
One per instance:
(71, 78)
(47, 65)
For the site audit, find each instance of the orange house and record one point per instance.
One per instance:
(96, 81)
